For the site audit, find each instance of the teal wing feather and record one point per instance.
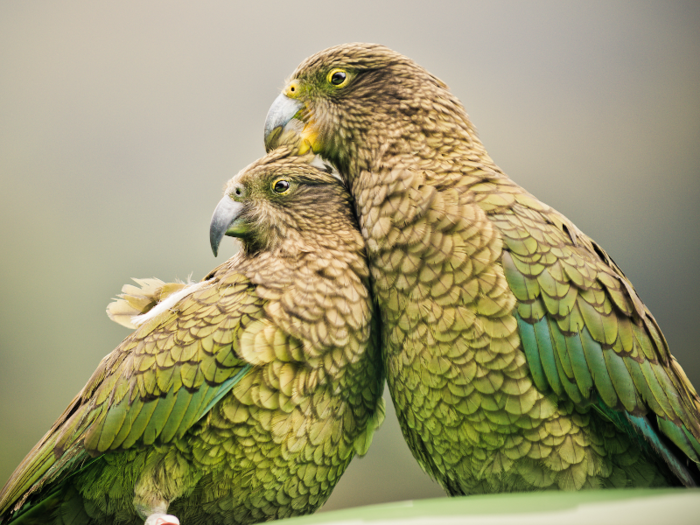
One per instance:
(154, 386)
(587, 335)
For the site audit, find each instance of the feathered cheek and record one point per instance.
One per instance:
(270, 225)
(311, 133)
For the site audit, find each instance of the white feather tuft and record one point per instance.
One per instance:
(171, 301)
(321, 163)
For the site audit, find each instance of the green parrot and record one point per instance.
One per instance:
(518, 355)
(238, 399)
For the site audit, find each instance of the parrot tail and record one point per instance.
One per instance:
(669, 442)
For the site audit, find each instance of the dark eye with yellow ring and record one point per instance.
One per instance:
(280, 186)
(338, 77)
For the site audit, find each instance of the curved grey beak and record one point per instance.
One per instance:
(225, 221)
(282, 110)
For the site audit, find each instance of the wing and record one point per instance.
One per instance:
(153, 387)
(585, 331)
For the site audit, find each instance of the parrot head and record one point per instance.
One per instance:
(347, 99)
(279, 201)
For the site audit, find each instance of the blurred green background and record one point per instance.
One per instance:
(120, 122)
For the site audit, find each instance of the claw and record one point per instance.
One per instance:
(162, 519)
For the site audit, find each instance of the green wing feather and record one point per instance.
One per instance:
(585, 332)
(154, 386)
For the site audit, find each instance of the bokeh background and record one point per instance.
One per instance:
(121, 121)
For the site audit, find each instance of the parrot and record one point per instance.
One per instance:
(518, 355)
(238, 399)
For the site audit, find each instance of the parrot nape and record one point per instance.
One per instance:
(238, 399)
(517, 354)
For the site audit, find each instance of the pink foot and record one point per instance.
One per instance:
(162, 519)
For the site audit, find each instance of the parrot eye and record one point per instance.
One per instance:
(338, 77)
(280, 186)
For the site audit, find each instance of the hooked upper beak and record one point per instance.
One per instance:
(281, 112)
(226, 221)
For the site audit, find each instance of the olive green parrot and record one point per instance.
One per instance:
(518, 355)
(238, 399)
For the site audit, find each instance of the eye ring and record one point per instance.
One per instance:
(338, 77)
(280, 186)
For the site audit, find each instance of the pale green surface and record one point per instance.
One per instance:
(678, 506)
